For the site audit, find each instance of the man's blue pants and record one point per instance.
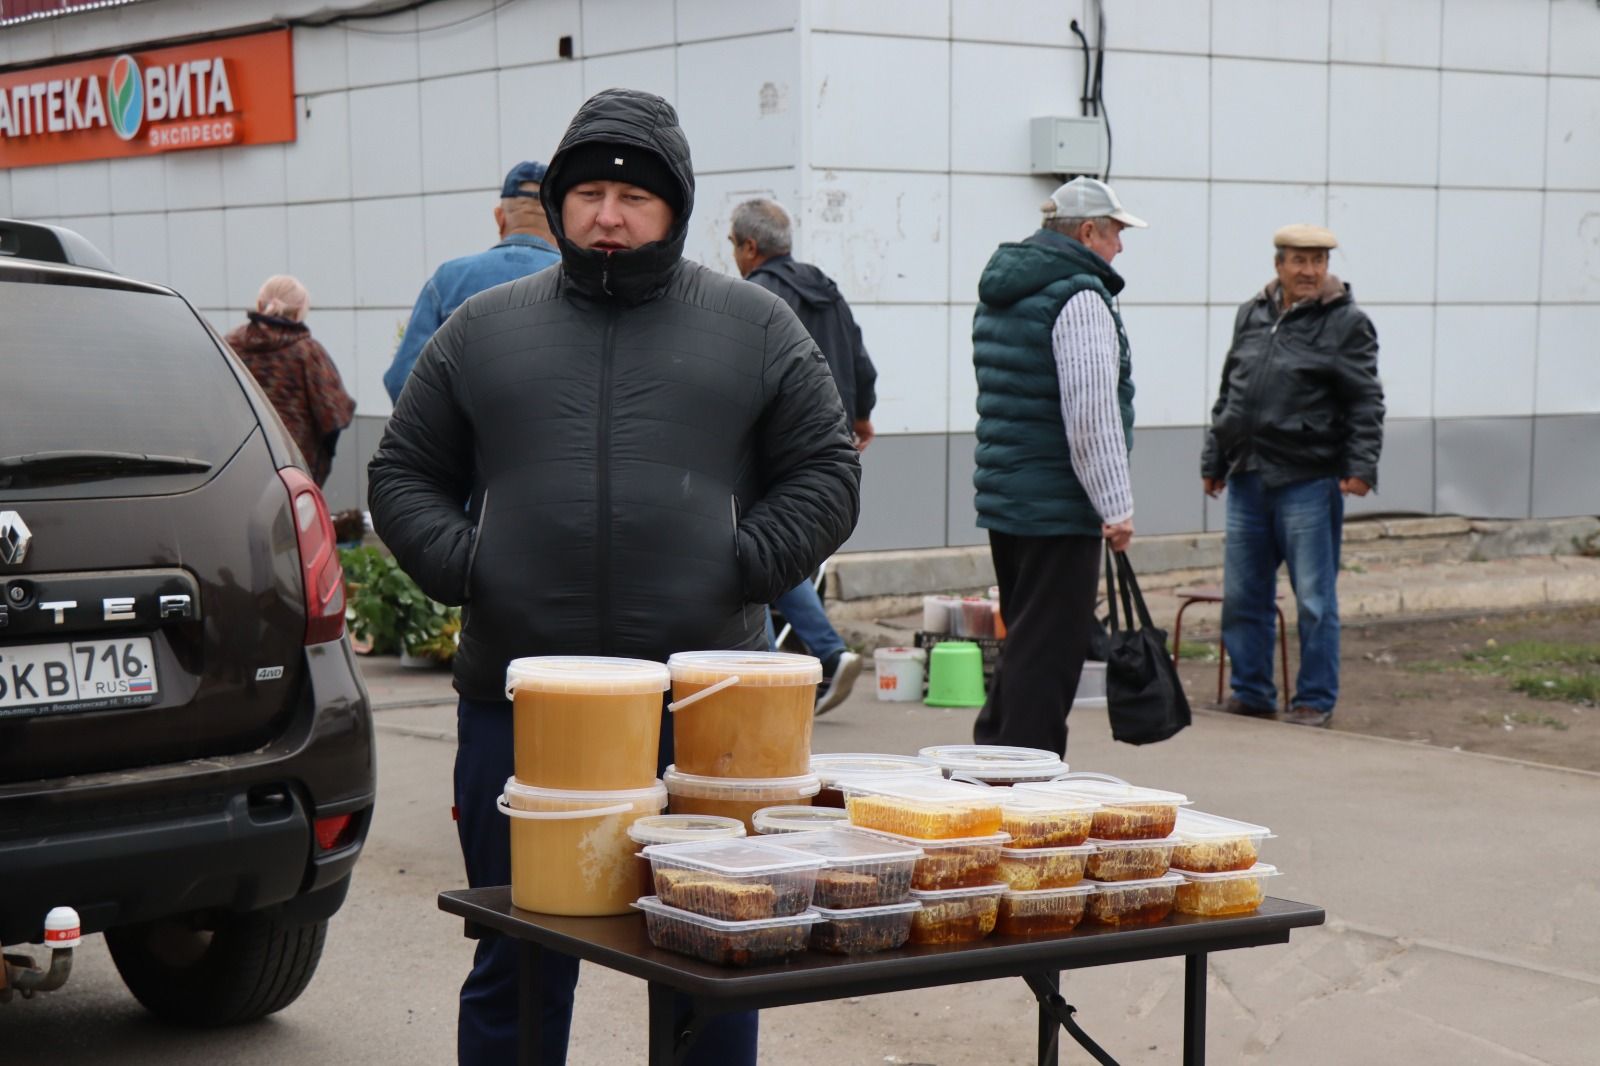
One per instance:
(486, 1033)
(1301, 524)
(802, 609)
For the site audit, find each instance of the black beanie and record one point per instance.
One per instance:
(601, 161)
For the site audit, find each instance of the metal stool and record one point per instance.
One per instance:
(1213, 594)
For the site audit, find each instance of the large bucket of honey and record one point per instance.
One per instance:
(570, 850)
(757, 721)
(585, 722)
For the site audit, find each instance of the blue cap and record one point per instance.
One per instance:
(520, 174)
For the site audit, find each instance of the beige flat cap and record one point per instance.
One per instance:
(1304, 235)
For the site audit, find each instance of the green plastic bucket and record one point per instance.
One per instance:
(955, 675)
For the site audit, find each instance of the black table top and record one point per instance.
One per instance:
(620, 943)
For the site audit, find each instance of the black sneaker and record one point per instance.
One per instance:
(1308, 716)
(1237, 706)
(836, 684)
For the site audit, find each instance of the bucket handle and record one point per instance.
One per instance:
(1088, 775)
(727, 682)
(595, 812)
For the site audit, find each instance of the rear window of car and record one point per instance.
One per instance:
(100, 369)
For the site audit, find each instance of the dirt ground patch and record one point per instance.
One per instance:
(1451, 683)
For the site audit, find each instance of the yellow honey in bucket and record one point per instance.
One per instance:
(740, 798)
(757, 727)
(570, 851)
(586, 722)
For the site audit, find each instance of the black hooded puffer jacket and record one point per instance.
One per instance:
(649, 448)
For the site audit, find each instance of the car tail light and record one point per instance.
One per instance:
(320, 571)
(334, 831)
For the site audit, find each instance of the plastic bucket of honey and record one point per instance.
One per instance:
(570, 850)
(740, 798)
(585, 722)
(757, 724)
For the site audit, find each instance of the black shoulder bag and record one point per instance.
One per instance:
(1144, 696)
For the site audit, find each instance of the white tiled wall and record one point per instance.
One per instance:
(1454, 146)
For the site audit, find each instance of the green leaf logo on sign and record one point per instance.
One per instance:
(125, 95)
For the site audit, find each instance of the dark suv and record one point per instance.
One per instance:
(186, 752)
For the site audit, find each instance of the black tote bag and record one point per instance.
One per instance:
(1144, 697)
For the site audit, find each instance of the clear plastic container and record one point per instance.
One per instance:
(676, 829)
(585, 722)
(1225, 892)
(1124, 903)
(865, 929)
(955, 916)
(994, 764)
(1040, 821)
(1209, 843)
(732, 797)
(1042, 911)
(759, 726)
(831, 768)
(1130, 860)
(733, 880)
(1030, 869)
(725, 943)
(570, 851)
(1127, 812)
(796, 819)
(929, 808)
(862, 869)
(960, 862)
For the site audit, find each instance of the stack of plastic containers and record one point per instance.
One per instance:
(586, 732)
(839, 766)
(1216, 857)
(957, 826)
(1043, 865)
(741, 730)
(863, 891)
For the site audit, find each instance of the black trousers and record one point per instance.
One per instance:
(1048, 587)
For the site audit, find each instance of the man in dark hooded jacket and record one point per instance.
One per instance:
(651, 451)
(762, 240)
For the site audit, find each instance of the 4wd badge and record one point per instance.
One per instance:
(14, 538)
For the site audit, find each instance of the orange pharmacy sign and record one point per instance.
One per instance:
(233, 90)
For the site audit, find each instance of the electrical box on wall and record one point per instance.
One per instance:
(1062, 145)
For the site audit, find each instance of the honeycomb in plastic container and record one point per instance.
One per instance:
(1215, 856)
(1024, 873)
(1143, 905)
(926, 821)
(725, 947)
(955, 921)
(1142, 821)
(1021, 916)
(1129, 864)
(861, 936)
(1233, 895)
(1045, 829)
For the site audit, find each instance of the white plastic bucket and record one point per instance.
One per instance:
(899, 674)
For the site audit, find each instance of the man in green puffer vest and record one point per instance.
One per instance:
(1055, 425)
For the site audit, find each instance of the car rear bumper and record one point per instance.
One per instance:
(230, 832)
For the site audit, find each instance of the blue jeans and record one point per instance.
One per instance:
(486, 1032)
(802, 608)
(1300, 524)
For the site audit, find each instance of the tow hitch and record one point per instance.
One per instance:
(19, 973)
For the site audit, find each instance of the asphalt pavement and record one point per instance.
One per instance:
(1460, 888)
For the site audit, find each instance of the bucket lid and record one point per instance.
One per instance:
(795, 819)
(531, 798)
(898, 654)
(683, 828)
(741, 789)
(585, 675)
(755, 669)
(994, 762)
(1107, 790)
(832, 767)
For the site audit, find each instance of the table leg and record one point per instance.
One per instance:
(1049, 1027)
(663, 1027)
(530, 1005)
(1194, 1009)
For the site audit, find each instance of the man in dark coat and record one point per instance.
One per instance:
(1297, 425)
(651, 450)
(762, 239)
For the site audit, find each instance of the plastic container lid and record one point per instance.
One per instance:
(739, 857)
(754, 668)
(1040, 853)
(683, 828)
(1082, 888)
(935, 895)
(935, 845)
(586, 675)
(831, 768)
(1048, 802)
(830, 915)
(1127, 845)
(528, 801)
(741, 789)
(934, 790)
(847, 847)
(1145, 882)
(1260, 869)
(655, 906)
(1103, 789)
(1196, 827)
(994, 762)
(785, 820)
(899, 654)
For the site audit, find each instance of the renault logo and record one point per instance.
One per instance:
(14, 538)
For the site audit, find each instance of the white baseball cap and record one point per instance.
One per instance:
(1088, 198)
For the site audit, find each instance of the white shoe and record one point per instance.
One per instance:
(835, 689)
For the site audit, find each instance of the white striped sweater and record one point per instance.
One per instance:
(1084, 341)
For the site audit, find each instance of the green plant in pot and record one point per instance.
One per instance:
(388, 613)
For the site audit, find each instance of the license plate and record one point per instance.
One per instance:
(79, 675)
